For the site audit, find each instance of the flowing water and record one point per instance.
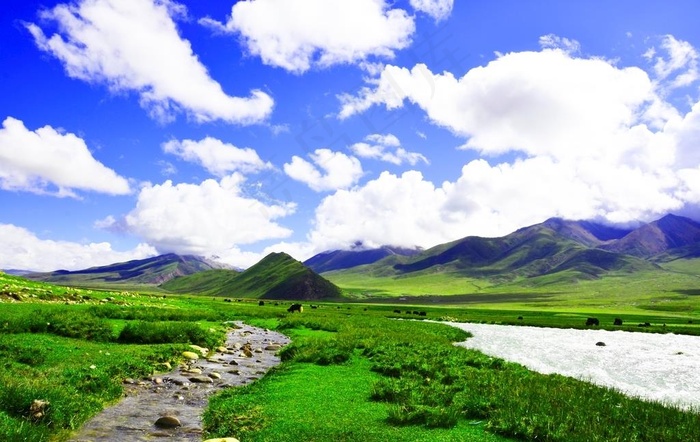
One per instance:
(183, 393)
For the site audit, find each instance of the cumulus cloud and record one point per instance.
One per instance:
(386, 148)
(217, 157)
(298, 34)
(590, 140)
(438, 9)
(23, 250)
(49, 161)
(134, 45)
(328, 170)
(213, 217)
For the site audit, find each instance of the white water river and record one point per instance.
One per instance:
(657, 367)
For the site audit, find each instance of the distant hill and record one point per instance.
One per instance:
(152, 271)
(277, 276)
(345, 259)
(542, 249)
(572, 249)
(658, 237)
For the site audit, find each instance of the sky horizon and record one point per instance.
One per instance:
(132, 128)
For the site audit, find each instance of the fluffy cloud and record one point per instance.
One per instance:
(23, 250)
(340, 171)
(679, 66)
(539, 103)
(591, 140)
(298, 34)
(213, 217)
(134, 45)
(37, 161)
(386, 148)
(438, 9)
(217, 157)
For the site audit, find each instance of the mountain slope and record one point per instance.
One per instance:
(661, 236)
(553, 246)
(344, 259)
(277, 276)
(154, 270)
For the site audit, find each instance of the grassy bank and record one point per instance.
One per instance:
(352, 372)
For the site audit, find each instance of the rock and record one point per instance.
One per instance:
(223, 439)
(168, 422)
(233, 362)
(201, 379)
(215, 375)
(221, 349)
(247, 353)
(272, 347)
(38, 408)
(190, 355)
(600, 344)
(193, 371)
(203, 351)
(166, 365)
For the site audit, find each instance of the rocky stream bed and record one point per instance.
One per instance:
(169, 406)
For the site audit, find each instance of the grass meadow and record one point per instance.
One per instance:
(352, 372)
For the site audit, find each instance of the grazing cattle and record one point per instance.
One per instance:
(618, 321)
(520, 318)
(408, 312)
(295, 308)
(592, 321)
(261, 303)
(422, 313)
(646, 324)
(314, 306)
(397, 311)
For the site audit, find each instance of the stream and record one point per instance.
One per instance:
(179, 397)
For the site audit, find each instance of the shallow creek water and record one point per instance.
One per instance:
(184, 393)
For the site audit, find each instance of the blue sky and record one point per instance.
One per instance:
(131, 128)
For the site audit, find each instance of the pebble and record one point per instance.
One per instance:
(168, 422)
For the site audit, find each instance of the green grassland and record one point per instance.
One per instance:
(352, 372)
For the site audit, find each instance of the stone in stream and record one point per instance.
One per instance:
(600, 344)
(168, 422)
(215, 375)
(223, 439)
(272, 347)
(201, 379)
(190, 355)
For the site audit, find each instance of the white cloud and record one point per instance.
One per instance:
(23, 250)
(339, 170)
(551, 41)
(219, 158)
(211, 218)
(36, 161)
(134, 45)
(592, 141)
(386, 148)
(438, 9)
(298, 34)
(680, 66)
(539, 103)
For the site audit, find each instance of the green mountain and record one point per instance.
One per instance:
(151, 271)
(277, 276)
(554, 250)
(345, 259)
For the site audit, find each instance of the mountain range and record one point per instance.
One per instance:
(570, 249)
(583, 249)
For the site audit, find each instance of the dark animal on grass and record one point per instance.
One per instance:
(415, 312)
(646, 324)
(618, 321)
(520, 318)
(422, 313)
(397, 311)
(261, 303)
(295, 308)
(314, 306)
(592, 321)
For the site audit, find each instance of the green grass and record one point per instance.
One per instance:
(352, 372)
(308, 402)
